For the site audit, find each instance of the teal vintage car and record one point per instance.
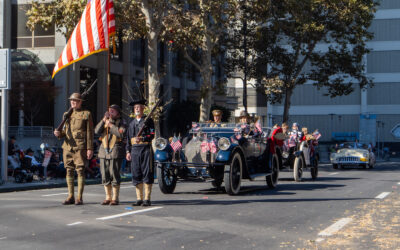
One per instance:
(220, 154)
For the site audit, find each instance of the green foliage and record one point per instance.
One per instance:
(291, 42)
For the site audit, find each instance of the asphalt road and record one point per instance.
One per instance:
(196, 216)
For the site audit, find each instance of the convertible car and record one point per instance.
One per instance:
(353, 154)
(220, 154)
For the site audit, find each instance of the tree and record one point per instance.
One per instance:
(134, 19)
(302, 26)
(197, 27)
(248, 31)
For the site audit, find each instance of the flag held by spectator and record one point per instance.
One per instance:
(92, 34)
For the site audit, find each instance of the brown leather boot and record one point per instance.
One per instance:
(147, 197)
(107, 189)
(81, 185)
(115, 199)
(69, 201)
(139, 195)
(70, 184)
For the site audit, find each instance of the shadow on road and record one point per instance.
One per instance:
(282, 189)
(234, 202)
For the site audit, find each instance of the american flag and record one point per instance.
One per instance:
(204, 145)
(317, 135)
(258, 126)
(91, 35)
(212, 146)
(176, 144)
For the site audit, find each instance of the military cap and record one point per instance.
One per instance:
(76, 96)
(29, 150)
(138, 101)
(116, 107)
(216, 112)
(244, 113)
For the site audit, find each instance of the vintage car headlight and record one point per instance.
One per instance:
(161, 143)
(365, 155)
(224, 143)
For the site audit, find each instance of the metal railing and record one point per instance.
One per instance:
(30, 131)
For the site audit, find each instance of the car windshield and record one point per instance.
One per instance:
(353, 145)
(221, 128)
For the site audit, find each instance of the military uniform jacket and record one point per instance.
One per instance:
(116, 135)
(78, 131)
(133, 129)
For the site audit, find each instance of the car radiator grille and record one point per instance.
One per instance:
(348, 159)
(194, 154)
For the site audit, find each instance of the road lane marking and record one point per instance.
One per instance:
(335, 227)
(319, 239)
(127, 213)
(75, 223)
(398, 183)
(127, 187)
(333, 173)
(3, 238)
(382, 195)
(46, 195)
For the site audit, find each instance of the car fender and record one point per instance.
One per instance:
(163, 155)
(226, 156)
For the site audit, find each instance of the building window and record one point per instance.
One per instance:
(116, 89)
(22, 37)
(138, 50)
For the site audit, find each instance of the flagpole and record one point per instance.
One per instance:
(108, 78)
(108, 93)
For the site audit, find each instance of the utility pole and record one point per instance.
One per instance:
(5, 83)
(245, 55)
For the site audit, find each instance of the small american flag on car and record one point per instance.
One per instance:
(204, 145)
(176, 144)
(212, 146)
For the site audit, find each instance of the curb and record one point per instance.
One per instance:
(50, 185)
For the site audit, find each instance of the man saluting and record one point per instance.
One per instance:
(138, 151)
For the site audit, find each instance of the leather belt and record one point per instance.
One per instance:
(138, 143)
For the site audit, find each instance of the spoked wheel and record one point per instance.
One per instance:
(272, 180)
(166, 179)
(233, 175)
(314, 170)
(298, 168)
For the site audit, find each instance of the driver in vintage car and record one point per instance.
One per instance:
(217, 123)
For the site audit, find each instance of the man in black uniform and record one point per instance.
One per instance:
(139, 152)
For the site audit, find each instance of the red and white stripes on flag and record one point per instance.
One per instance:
(176, 144)
(91, 35)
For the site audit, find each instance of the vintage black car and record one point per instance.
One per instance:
(220, 154)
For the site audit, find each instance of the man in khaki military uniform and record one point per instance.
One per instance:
(111, 152)
(77, 146)
(217, 119)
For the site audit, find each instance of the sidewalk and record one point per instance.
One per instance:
(11, 186)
